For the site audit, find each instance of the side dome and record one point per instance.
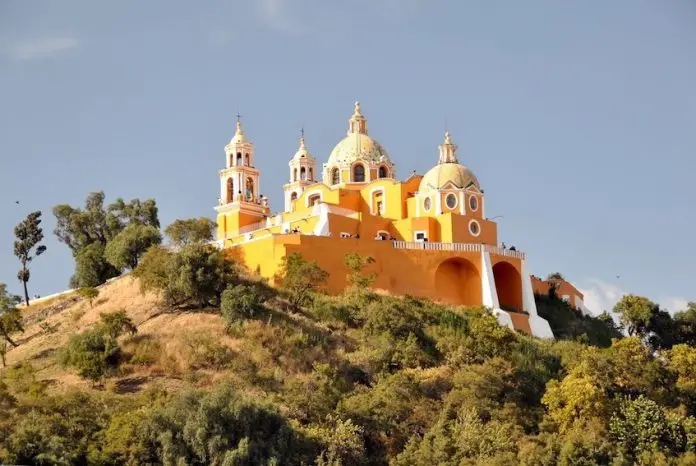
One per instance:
(448, 170)
(445, 173)
(358, 146)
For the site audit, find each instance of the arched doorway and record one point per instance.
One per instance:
(458, 282)
(508, 283)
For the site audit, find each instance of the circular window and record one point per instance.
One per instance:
(474, 228)
(473, 203)
(427, 203)
(451, 201)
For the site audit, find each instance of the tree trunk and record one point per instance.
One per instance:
(9, 340)
(26, 293)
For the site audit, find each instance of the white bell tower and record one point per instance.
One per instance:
(303, 172)
(240, 201)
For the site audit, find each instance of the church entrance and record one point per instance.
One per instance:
(508, 283)
(458, 282)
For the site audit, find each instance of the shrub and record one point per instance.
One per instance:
(92, 353)
(206, 352)
(22, 380)
(300, 278)
(195, 276)
(89, 293)
(242, 301)
(117, 323)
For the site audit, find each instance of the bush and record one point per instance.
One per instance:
(89, 293)
(195, 276)
(92, 353)
(22, 380)
(243, 301)
(206, 353)
(300, 278)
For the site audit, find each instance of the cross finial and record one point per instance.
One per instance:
(239, 117)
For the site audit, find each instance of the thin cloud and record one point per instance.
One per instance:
(33, 49)
(601, 296)
(275, 14)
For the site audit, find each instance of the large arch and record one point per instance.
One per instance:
(508, 283)
(457, 281)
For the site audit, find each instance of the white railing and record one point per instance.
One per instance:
(458, 247)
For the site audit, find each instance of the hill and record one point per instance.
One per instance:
(359, 378)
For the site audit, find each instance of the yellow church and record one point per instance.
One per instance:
(429, 235)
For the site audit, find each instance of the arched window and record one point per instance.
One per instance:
(249, 189)
(230, 190)
(335, 176)
(358, 174)
(294, 174)
(311, 174)
(293, 196)
(303, 174)
(383, 173)
(247, 160)
(239, 158)
(314, 199)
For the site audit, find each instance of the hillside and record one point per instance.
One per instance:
(358, 378)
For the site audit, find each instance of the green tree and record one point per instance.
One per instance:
(91, 267)
(300, 278)
(190, 231)
(29, 235)
(10, 317)
(641, 426)
(117, 323)
(96, 226)
(125, 250)
(89, 293)
(242, 301)
(196, 275)
(685, 325)
(355, 263)
(636, 314)
(92, 353)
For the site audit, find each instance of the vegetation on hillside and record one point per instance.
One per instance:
(289, 375)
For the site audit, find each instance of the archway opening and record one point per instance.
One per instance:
(508, 283)
(239, 159)
(335, 178)
(359, 174)
(458, 282)
(303, 173)
(249, 189)
(383, 173)
(247, 160)
(230, 190)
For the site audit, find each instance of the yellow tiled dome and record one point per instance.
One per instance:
(442, 174)
(358, 146)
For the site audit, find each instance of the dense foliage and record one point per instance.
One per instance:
(357, 379)
(88, 232)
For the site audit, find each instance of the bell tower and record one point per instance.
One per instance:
(303, 170)
(240, 203)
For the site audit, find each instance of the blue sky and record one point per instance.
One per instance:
(577, 117)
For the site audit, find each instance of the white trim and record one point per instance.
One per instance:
(345, 234)
(456, 201)
(427, 198)
(471, 222)
(382, 233)
(462, 204)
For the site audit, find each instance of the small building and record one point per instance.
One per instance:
(563, 289)
(428, 235)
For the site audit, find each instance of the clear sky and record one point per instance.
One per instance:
(579, 118)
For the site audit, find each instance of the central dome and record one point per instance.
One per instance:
(358, 146)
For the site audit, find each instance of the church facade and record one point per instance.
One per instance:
(429, 235)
